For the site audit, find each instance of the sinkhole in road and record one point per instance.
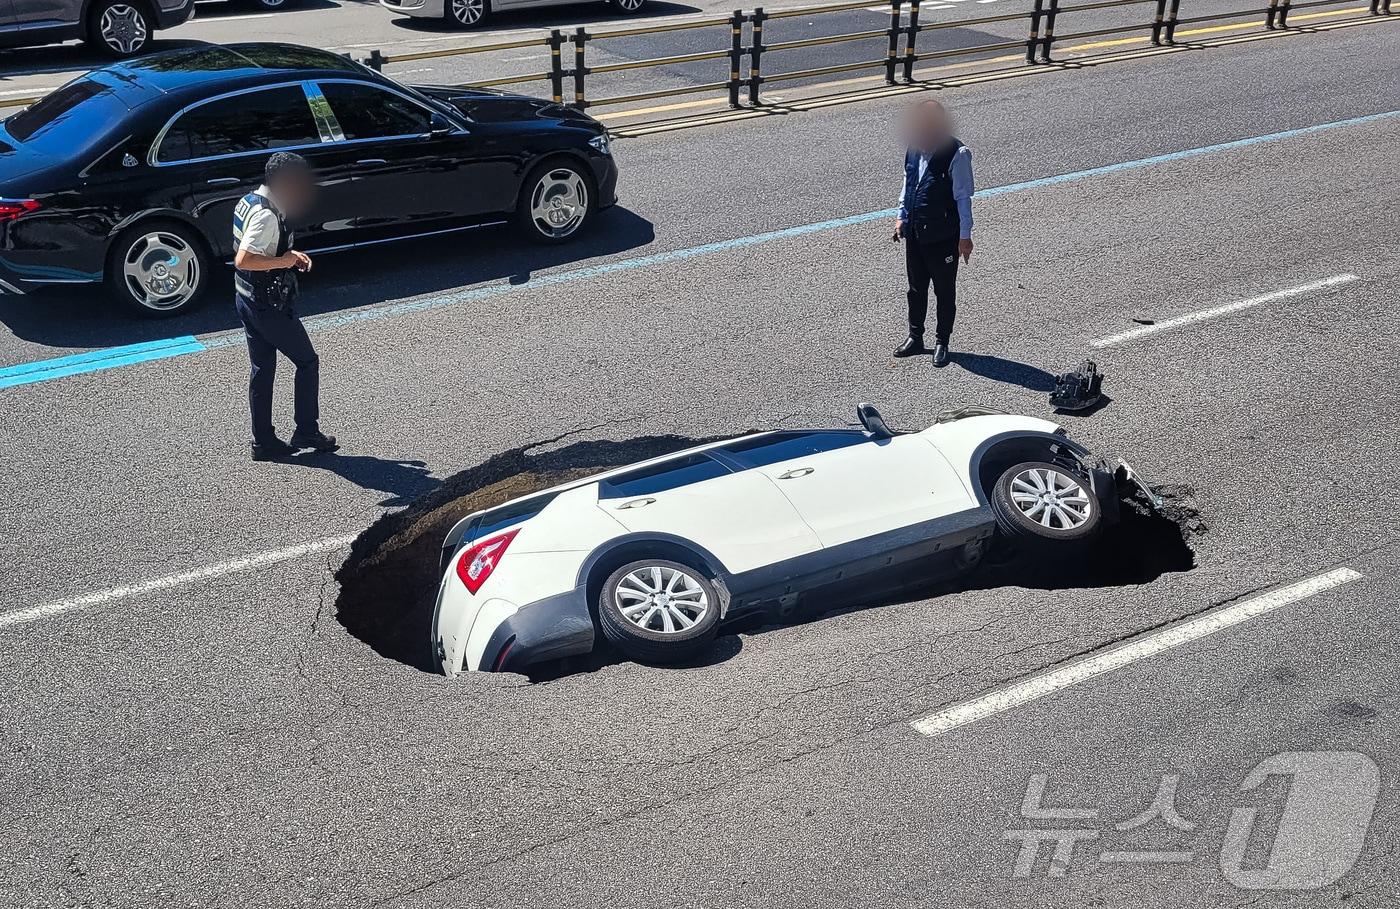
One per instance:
(389, 581)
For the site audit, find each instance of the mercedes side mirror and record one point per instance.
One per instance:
(439, 126)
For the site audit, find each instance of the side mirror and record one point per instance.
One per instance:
(872, 421)
(439, 126)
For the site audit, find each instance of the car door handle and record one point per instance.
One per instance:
(223, 181)
(636, 503)
(796, 472)
(370, 162)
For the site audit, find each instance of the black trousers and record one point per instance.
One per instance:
(269, 331)
(936, 264)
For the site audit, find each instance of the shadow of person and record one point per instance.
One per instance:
(404, 481)
(1001, 369)
(82, 315)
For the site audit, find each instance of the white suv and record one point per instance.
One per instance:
(656, 554)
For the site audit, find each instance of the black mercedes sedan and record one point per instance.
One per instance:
(129, 175)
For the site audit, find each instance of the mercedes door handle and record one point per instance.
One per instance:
(370, 162)
(635, 503)
(796, 472)
(223, 181)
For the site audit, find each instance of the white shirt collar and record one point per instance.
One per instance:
(271, 200)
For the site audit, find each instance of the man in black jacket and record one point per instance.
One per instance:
(935, 217)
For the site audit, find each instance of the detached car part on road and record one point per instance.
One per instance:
(657, 554)
(130, 174)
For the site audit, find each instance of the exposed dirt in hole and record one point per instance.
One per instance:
(389, 581)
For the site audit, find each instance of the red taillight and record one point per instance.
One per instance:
(477, 562)
(13, 208)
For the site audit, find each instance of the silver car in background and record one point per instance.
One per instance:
(119, 28)
(471, 13)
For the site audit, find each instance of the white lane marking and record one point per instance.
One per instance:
(1149, 645)
(1204, 314)
(257, 560)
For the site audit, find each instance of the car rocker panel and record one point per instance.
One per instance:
(737, 514)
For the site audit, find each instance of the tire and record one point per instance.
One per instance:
(168, 259)
(559, 189)
(627, 7)
(465, 13)
(270, 6)
(643, 636)
(1023, 502)
(119, 28)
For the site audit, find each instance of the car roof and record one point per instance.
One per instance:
(228, 66)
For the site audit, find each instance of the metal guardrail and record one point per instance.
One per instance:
(898, 61)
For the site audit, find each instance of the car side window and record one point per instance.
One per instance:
(785, 446)
(662, 477)
(505, 516)
(368, 112)
(251, 122)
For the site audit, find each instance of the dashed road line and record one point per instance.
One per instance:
(113, 594)
(1216, 312)
(1116, 657)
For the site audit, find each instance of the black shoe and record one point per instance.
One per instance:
(272, 451)
(940, 353)
(316, 440)
(914, 344)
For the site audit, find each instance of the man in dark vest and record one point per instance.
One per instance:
(935, 217)
(265, 290)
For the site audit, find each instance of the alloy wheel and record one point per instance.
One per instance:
(161, 271)
(123, 28)
(1051, 498)
(468, 12)
(629, 6)
(559, 203)
(661, 599)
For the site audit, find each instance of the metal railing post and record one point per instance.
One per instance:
(1034, 38)
(736, 54)
(375, 61)
(580, 70)
(1049, 38)
(1161, 14)
(911, 33)
(1169, 30)
(891, 58)
(756, 55)
(556, 65)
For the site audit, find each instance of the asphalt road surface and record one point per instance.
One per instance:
(186, 723)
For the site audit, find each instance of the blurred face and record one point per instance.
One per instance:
(295, 190)
(927, 126)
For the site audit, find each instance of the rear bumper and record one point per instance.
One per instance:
(423, 8)
(175, 15)
(548, 629)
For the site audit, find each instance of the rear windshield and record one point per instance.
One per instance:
(68, 118)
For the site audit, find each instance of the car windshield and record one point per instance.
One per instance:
(69, 118)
